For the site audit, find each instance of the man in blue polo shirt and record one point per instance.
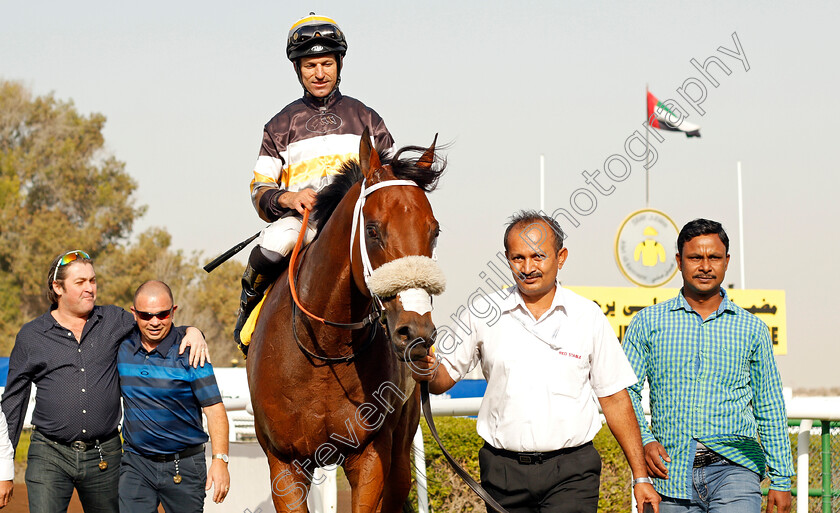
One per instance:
(163, 398)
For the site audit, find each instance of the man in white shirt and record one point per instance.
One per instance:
(7, 463)
(548, 355)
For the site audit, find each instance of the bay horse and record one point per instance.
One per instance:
(325, 395)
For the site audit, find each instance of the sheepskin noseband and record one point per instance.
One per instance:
(414, 279)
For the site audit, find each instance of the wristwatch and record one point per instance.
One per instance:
(642, 480)
(224, 457)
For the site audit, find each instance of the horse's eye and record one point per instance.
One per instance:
(371, 231)
(437, 232)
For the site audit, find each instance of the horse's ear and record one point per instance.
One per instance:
(428, 158)
(368, 158)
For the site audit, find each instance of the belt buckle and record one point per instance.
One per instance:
(705, 459)
(530, 458)
(79, 445)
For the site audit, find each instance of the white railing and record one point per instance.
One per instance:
(806, 408)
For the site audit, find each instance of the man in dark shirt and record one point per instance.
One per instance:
(164, 437)
(70, 353)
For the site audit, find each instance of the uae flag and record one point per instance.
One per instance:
(661, 117)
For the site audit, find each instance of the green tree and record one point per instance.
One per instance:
(212, 305)
(59, 190)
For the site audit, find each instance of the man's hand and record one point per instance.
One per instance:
(654, 454)
(429, 369)
(781, 500)
(6, 488)
(645, 493)
(198, 347)
(425, 369)
(219, 478)
(299, 201)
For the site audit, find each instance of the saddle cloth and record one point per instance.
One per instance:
(251, 323)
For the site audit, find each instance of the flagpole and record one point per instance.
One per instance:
(647, 153)
(542, 183)
(741, 226)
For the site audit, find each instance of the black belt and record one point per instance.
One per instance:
(706, 458)
(186, 453)
(531, 458)
(82, 445)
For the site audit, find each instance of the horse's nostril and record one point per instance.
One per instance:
(404, 332)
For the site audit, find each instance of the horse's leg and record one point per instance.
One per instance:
(288, 488)
(398, 483)
(367, 471)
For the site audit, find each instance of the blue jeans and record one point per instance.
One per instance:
(145, 483)
(721, 487)
(54, 470)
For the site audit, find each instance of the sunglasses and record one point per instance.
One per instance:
(70, 256)
(326, 30)
(147, 316)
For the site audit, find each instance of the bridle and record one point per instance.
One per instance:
(377, 307)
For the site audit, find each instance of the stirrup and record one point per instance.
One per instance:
(254, 285)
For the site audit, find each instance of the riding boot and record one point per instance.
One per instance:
(254, 285)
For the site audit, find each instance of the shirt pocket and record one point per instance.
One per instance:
(567, 374)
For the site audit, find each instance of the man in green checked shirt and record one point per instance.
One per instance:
(718, 421)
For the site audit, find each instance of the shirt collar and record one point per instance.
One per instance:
(726, 305)
(46, 321)
(515, 300)
(317, 103)
(162, 348)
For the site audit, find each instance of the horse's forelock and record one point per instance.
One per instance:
(406, 168)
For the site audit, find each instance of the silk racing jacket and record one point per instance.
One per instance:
(305, 145)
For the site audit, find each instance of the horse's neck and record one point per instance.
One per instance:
(327, 267)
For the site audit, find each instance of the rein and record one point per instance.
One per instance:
(376, 313)
(367, 321)
(463, 474)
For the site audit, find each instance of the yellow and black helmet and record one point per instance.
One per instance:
(315, 35)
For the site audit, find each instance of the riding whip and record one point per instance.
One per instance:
(224, 257)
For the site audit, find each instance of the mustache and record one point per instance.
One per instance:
(532, 274)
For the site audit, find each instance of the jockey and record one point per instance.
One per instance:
(303, 147)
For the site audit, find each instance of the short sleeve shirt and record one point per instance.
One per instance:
(543, 375)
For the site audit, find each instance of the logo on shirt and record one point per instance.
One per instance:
(323, 123)
(570, 355)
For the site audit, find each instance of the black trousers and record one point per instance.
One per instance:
(565, 483)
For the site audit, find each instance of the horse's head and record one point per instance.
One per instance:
(399, 233)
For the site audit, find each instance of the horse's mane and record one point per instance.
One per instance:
(404, 168)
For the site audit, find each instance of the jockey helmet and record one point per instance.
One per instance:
(315, 35)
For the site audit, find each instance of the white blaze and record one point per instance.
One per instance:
(416, 300)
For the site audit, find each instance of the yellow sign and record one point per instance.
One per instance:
(620, 304)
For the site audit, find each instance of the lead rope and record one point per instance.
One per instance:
(463, 474)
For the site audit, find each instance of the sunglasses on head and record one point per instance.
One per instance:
(70, 256)
(147, 316)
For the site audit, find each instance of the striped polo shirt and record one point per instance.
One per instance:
(163, 396)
